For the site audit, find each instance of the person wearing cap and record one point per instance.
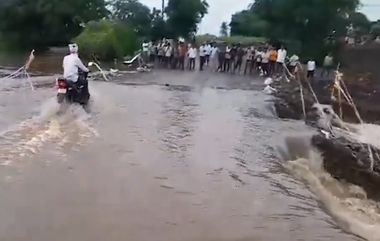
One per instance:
(72, 64)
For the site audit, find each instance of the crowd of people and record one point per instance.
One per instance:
(264, 60)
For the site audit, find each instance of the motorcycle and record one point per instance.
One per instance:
(69, 92)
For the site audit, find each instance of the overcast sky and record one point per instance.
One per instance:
(221, 10)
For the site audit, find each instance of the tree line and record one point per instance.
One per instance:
(308, 26)
(43, 23)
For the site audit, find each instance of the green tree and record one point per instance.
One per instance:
(42, 23)
(307, 22)
(224, 29)
(185, 15)
(134, 13)
(158, 25)
(375, 29)
(360, 23)
(107, 40)
(247, 23)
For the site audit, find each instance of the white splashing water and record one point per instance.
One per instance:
(30, 136)
(367, 133)
(48, 109)
(347, 203)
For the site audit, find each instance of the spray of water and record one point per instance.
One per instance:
(366, 133)
(71, 128)
(347, 203)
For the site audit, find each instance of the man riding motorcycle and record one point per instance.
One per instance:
(71, 67)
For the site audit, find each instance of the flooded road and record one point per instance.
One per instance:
(195, 160)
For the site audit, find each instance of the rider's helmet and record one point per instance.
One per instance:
(73, 48)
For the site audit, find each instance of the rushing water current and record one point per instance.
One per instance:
(179, 162)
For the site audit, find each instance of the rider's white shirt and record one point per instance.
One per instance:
(71, 64)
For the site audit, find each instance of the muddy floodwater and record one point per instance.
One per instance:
(163, 156)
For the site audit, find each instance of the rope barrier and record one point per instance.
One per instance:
(14, 74)
(338, 83)
(299, 70)
(22, 71)
(286, 73)
(300, 67)
(302, 99)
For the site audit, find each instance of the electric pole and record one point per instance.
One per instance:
(163, 8)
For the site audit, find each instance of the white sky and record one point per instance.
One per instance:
(221, 10)
(371, 9)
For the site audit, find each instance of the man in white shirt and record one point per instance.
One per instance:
(258, 59)
(168, 55)
(265, 62)
(145, 46)
(227, 59)
(250, 60)
(281, 56)
(192, 53)
(145, 50)
(209, 49)
(214, 57)
(311, 66)
(202, 56)
(72, 63)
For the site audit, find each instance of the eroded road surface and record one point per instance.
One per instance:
(164, 156)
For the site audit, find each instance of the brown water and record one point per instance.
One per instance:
(44, 63)
(194, 161)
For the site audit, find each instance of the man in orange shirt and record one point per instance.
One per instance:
(272, 61)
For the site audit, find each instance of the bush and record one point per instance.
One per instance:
(107, 40)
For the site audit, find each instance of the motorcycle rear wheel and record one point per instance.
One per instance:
(61, 98)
